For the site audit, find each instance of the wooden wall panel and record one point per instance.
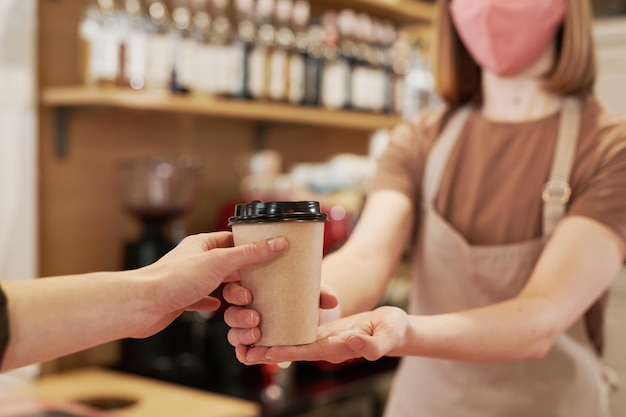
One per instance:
(81, 220)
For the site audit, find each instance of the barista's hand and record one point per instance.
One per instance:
(245, 321)
(368, 335)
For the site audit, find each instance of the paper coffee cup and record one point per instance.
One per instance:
(285, 291)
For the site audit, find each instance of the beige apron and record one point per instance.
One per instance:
(451, 275)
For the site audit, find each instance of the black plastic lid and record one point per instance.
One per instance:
(277, 211)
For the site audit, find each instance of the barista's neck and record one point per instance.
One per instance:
(520, 97)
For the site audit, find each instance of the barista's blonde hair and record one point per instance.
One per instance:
(458, 76)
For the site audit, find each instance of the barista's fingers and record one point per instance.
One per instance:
(241, 351)
(246, 337)
(252, 355)
(258, 354)
(370, 347)
(235, 294)
(328, 299)
(242, 318)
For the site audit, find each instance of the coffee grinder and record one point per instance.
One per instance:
(158, 190)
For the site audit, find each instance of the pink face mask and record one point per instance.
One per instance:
(506, 36)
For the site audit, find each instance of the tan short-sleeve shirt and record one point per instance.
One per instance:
(491, 189)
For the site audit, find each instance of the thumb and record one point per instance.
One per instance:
(234, 258)
(371, 347)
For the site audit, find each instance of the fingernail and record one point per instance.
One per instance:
(277, 244)
(250, 320)
(243, 298)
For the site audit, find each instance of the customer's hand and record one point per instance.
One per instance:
(195, 268)
(368, 335)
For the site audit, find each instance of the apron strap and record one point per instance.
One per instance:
(556, 192)
(436, 161)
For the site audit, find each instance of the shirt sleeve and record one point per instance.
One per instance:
(4, 324)
(401, 165)
(603, 196)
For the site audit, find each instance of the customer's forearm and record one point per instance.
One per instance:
(52, 317)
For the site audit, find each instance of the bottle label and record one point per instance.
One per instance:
(278, 75)
(221, 65)
(256, 72)
(359, 87)
(236, 61)
(398, 95)
(376, 99)
(135, 57)
(186, 62)
(335, 84)
(106, 49)
(202, 73)
(296, 78)
(159, 61)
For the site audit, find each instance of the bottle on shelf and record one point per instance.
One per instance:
(278, 87)
(359, 86)
(160, 47)
(88, 31)
(133, 45)
(99, 34)
(222, 70)
(201, 83)
(259, 63)
(184, 46)
(347, 21)
(299, 51)
(400, 57)
(393, 78)
(334, 89)
(377, 78)
(242, 45)
(419, 85)
(313, 64)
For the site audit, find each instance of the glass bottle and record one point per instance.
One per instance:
(258, 63)
(336, 70)
(300, 20)
(400, 55)
(376, 74)
(88, 32)
(103, 39)
(133, 55)
(393, 77)
(160, 47)
(361, 72)
(201, 18)
(221, 38)
(184, 46)
(419, 84)
(347, 22)
(279, 56)
(313, 64)
(242, 45)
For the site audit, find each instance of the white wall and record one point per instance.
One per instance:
(611, 91)
(18, 257)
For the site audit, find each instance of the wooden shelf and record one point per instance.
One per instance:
(399, 11)
(65, 99)
(217, 107)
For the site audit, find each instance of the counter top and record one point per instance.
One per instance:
(153, 398)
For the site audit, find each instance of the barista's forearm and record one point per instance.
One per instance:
(518, 329)
(52, 317)
(359, 281)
